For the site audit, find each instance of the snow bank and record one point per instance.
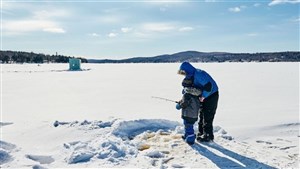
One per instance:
(5, 150)
(109, 150)
(119, 141)
(90, 124)
(129, 129)
(114, 144)
(220, 132)
(4, 157)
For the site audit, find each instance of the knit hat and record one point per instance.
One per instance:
(187, 82)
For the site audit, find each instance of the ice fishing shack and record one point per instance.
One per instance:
(74, 64)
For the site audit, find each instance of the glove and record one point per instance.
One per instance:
(178, 107)
(201, 99)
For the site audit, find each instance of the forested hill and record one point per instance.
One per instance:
(195, 56)
(30, 57)
(191, 56)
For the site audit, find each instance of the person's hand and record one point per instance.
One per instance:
(201, 99)
(178, 107)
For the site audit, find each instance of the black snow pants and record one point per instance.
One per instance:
(207, 114)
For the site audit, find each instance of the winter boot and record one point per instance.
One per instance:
(199, 136)
(205, 138)
(189, 135)
(190, 139)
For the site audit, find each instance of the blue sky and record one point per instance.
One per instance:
(122, 29)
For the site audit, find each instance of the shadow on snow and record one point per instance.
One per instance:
(224, 162)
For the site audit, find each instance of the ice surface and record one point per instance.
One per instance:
(100, 117)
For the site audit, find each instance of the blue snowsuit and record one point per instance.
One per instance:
(209, 88)
(190, 105)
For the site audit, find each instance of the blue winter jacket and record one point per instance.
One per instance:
(202, 80)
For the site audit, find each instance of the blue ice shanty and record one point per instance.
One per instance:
(74, 64)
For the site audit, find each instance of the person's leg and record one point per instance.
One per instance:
(189, 135)
(209, 111)
(208, 124)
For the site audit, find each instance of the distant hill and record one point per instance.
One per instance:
(195, 56)
(30, 57)
(190, 56)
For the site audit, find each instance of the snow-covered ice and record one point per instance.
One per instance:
(105, 116)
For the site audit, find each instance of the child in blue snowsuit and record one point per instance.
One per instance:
(190, 105)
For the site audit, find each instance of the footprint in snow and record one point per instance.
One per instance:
(5, 124)
(40, 159)
(266, 142)
(280, 139)
(288, 147)
(38, 167)
(178, 166)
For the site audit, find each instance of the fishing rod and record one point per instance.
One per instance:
(165, 99)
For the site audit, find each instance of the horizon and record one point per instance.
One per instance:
(187, 51)
(127, 29)
(147, 56)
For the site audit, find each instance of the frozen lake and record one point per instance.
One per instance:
(105, 114)
(251, 94)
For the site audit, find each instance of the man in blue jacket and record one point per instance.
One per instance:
(209, 99)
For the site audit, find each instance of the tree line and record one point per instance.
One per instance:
(195, 56)
(30, 57)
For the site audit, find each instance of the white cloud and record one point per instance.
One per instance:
(94, 34)
(34, 19)
(278, 2)
(235, 9)
(295, 20)
(44, 14)
(158, 27)
(54, 30)
(22, 26)
(185, 29)
(112, 35)
(126, 30)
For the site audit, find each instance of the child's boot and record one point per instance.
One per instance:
(189, 135)
(190, 139)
